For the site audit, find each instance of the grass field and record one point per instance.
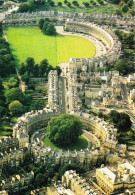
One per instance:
(30, 42)
(80, 144)
(79, 1)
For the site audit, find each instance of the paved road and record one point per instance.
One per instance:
(63, 86)
(91, 138)
(124, 91)
(131, 115)
(38, 135)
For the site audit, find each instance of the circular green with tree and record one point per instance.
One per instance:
(64, 132)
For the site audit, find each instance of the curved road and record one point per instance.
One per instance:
(92, 139)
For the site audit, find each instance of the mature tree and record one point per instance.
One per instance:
(50, 67)
(121, 67)
(59, 3)
(37, 105)
(50, 30)
(14, 94)
(2, 40)
(129, 38)
(75, 3)
(64, 130)
(1, 29)
(32, 4)
(43, 67)
(115, 116)
(65, 1)
(16, 108)
(119, 12)
(12, 82)
(36, 170)
(100, 114)
(7, 64)
(86, 4)
(51, 3)
(58, 70)
(69, 4)
(30, 65)
(40, 180)
(73, 166)
(25, 77)
(27, 102)
(41, 23)
(122, 120)
(24, 7)
(124, 123)
(2, 111)
(22, 69)
(1, 85)
(102, 2)
(125, 8)
(2, 97)
(45, 26)
(3, 51)
(116, 1)
(36, 70)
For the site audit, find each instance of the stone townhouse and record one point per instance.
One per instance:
(12, 158)
(77, 184)
(111, 180)
(17, 182)
(8, 143)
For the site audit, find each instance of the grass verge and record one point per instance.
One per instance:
(80, 144)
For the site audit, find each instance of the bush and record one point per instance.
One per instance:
(51, 3)
(24, 7)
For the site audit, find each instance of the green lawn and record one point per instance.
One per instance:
(31, 42)
(80, 144)
(79, 1)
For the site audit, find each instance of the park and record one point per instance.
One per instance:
(31, 42)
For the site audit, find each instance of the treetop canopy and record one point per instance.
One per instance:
(64, 129)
